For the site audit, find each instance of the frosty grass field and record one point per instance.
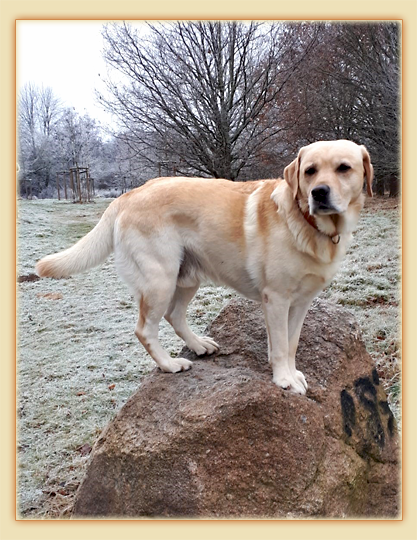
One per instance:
(79, 360)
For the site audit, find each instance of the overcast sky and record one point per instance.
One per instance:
(65, 55)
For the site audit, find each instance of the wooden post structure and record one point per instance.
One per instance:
(77, 175)
(72, 184)
(62, 174)
(80, 183)
(87, 185)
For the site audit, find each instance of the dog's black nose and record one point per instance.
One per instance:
(320, 193)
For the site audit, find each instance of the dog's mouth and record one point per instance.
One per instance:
(323, 209)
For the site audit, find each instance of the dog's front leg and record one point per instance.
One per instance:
(276, 310)
(296, 318)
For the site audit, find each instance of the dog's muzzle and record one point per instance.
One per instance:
(321, 200)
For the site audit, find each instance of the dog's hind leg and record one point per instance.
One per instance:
(151, 310)
(176, 316)
(151, 269)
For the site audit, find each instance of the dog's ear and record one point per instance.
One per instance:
(369, 170)
(292, 175)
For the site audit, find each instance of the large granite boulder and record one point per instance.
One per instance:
(221, 440)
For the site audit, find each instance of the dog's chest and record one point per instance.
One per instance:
(312, 283)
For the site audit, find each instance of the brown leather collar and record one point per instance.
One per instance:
(335, 238)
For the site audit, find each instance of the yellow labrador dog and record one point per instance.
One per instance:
(278, 242)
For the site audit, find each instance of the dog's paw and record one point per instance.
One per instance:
(299, 377)
(287, 382)
(203, 345)
(176, 365)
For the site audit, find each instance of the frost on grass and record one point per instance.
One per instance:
(368, 285)
(79, 360)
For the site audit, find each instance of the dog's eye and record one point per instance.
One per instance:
(310, 171)
(343, 167)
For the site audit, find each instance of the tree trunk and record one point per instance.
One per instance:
(380, 188)
(394, 186)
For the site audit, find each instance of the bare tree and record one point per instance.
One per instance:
(28, 114)
(79, 139)
(375, 50)
(202, 95)
(50, 109)
(38, 111)
(350, 89)
(52, 139)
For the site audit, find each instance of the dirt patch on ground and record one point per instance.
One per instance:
(28, 277)
(375, 204)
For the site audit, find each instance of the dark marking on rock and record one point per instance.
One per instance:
(365, 390)
(366, 393)
(387, 411)
(391, 424)
(348, 412)
(363, 385)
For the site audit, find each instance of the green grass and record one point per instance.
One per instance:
(74, 349)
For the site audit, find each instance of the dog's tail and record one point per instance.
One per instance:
(89, 251)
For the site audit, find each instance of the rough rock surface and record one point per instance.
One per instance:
(221, 440)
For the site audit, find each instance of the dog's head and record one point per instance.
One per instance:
(330, 175)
